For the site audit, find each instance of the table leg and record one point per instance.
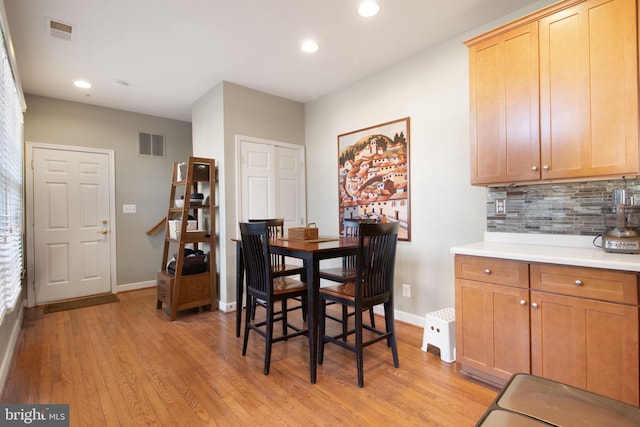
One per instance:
(239, 286)
(312, 264)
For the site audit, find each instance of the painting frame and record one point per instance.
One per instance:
(374, 175)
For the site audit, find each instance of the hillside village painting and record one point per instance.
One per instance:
(373, 175)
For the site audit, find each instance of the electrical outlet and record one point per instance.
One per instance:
(128, 208)
(501, 206)
(406, 290)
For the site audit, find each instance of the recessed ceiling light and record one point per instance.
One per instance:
(309, 46)
(368, 8)
(82, 84)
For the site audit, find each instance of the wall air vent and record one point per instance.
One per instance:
(60, 30)
(150, 144)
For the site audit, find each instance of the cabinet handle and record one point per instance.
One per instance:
(487, 271)
(534, 168)
(523, 302)
(578, 282)
(545, 167)
(534, 305)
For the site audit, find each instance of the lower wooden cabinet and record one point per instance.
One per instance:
(585, 343)
(492, 328)
(579, 326)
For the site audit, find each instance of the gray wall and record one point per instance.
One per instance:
(140, 180)
(432, 88)
(218, 116)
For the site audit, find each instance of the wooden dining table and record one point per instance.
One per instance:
(311, 252)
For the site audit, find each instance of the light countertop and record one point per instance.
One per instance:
(551, 249)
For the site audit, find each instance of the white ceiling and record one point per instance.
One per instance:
(172, 52)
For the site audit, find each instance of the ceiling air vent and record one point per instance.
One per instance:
(60, 30)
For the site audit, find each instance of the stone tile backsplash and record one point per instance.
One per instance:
(558, 208)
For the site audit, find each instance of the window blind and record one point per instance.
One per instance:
(11, 192)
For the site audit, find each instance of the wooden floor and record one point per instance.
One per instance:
(125, 364)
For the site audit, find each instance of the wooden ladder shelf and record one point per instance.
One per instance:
(191, 285)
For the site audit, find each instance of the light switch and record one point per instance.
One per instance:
(128, 208)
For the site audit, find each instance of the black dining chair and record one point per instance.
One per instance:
(263, 286)
(347, 272)
(372, 286)
(279, 266)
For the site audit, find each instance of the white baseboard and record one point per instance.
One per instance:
(7, 358)
(227, 306)
(136, 286)
(402, 316)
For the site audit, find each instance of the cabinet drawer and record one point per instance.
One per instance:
(604, 285)
(492, 270)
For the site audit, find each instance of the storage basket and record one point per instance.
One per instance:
(200, 172)
(175, 225)
(310, 232)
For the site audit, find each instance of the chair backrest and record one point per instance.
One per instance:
(257, 258)
(351, 228)
(275, 227)
(376, 262)
(350, 225)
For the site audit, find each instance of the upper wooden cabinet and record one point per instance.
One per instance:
(589, 90)
(584, 55)
(505, 143)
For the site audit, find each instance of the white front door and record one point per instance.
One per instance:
(271, 181)
(71, 227)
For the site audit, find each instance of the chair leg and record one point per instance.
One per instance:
(284, 316)
(304, 308)
(253, 305)
(371, 318)
(390, 325)
(359, 349)
(345, 322)
(269, 338)
(321, 330)
(246, 329)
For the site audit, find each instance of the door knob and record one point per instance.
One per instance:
(523, 302)
(103, 232)
(534, 305)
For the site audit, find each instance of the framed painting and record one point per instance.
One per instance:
(373, 175)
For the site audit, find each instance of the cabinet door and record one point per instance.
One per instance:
(492, 328)
(588, 90)
(504, 107)
(589, 344)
